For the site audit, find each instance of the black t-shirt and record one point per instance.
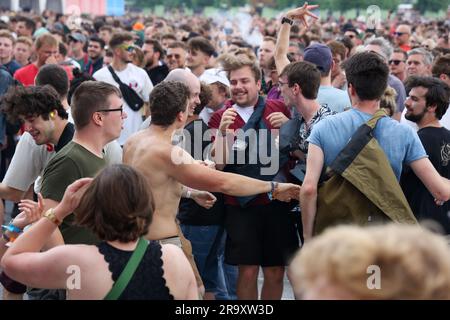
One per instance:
(436, 142)
(189, 212)
(158, 73)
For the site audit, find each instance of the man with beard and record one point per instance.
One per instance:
(136, 78)
(260, 231)
(96, 48)
(367, 75)
(156, 69)
(426, 104)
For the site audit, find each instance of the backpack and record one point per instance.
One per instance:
(360, 186)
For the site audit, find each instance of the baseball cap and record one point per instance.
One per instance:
(320, 55)
(138, 26)
(78, 37)
(214, 75)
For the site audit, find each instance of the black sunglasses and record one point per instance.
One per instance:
(399, 34)
(396, 62)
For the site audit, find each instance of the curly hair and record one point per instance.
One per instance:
(414, 263)
(31, 101)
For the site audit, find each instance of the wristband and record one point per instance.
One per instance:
(273, 187)
(12, 228)
(287, 20)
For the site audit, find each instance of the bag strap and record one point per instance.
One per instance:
(114, 75)
(372, 122)
(129, 270)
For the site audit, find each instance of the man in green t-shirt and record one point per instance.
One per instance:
(98, 116)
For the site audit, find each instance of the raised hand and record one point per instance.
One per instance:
(228, 118)
(302, 12)
(73, 195)
(277, 119)
(31, 211)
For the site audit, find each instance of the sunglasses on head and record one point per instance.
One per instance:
(396, 62)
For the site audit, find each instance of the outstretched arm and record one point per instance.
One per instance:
(180, 165)
(438, 186)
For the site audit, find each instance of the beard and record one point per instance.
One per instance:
(415, 117)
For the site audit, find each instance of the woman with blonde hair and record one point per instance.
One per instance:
(383, 262)
(388, 101)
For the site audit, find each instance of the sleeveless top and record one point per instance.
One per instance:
(147, 282)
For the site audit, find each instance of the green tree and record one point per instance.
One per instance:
(431, 5)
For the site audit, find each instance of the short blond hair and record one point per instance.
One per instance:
(25, 40)
(414, 263)
(6, 34)
(230, 62)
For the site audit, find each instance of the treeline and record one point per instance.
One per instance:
(334, 5)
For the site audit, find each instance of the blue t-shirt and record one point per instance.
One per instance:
(400, 142)
(336, 99)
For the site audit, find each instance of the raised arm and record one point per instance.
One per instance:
(281, 49)
(23, 261)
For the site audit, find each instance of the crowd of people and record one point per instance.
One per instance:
(178, 157)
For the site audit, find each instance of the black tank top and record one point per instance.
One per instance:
(147, 282)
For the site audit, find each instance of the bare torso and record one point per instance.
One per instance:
(142, 152)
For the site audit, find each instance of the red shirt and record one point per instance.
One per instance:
(270, 107)
(27, 74)
(405, 47)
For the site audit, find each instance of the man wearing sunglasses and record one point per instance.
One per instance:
(402, 37)
(121, 44)
(176, 55)
(397, 64)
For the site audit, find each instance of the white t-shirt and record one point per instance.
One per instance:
(137, 79)
(30, 160)
(244, 112)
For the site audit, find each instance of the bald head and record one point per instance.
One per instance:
(189, 79)
(402, 34)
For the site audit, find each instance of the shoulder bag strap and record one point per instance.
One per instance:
(114, 75)
(129, 270)
(372, 122)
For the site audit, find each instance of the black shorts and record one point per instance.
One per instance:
(260, 235)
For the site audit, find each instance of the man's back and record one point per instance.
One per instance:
(400, 143)
(336, 99)
(146, 152)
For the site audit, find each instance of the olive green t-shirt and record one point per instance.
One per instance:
(71, 163)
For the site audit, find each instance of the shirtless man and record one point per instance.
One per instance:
(168, 167)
